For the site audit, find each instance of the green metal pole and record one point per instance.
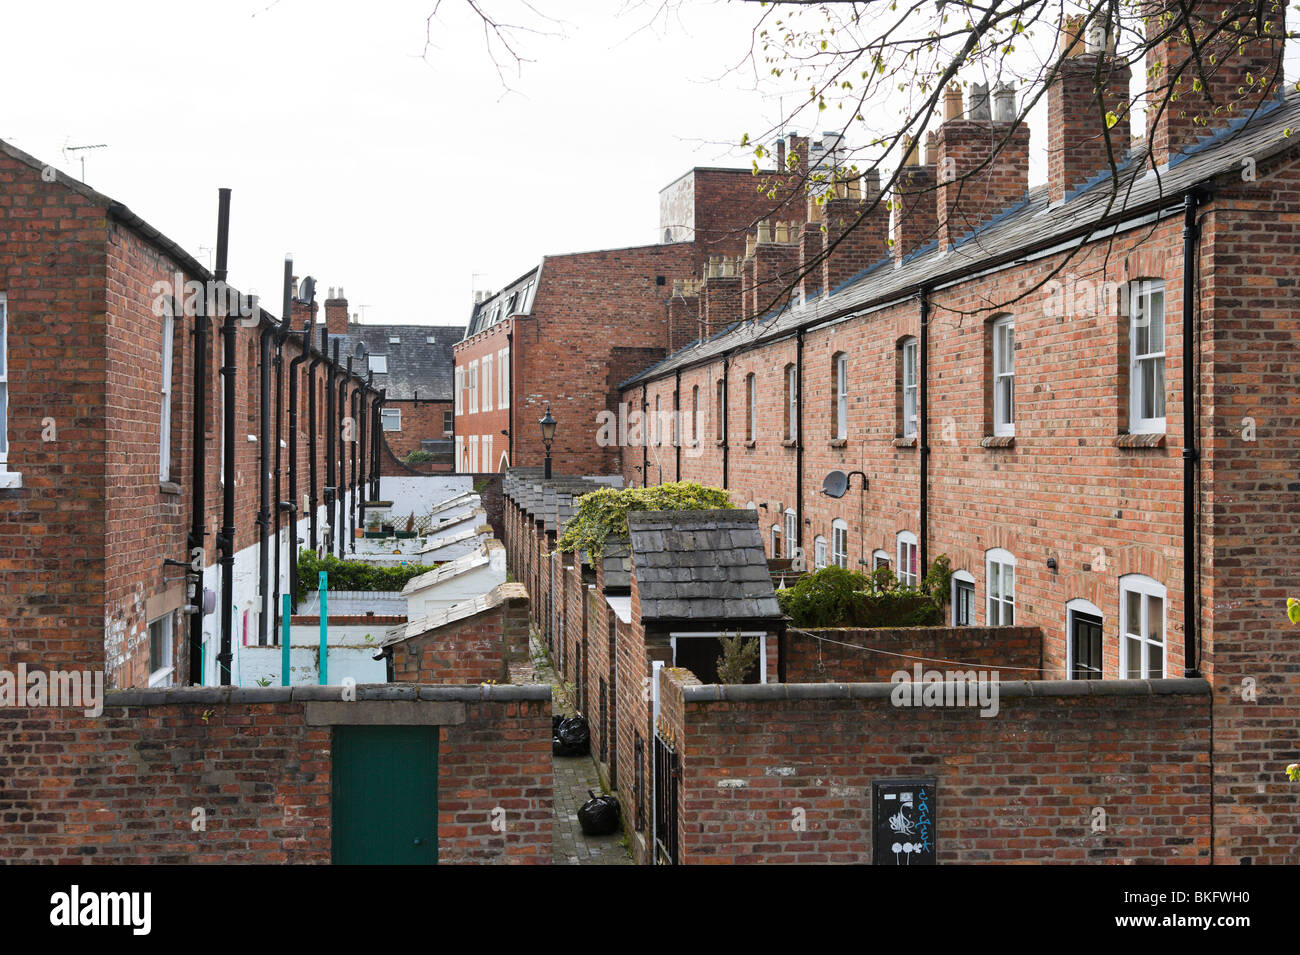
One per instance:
(284, 638)
(324, 630)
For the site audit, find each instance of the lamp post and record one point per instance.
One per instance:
(548, 435)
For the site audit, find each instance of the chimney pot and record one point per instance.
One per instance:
(1004, 103)
(979, 102)
(952, 103)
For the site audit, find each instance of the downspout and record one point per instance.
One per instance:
(293, 456)
(510, 408)
(677, 421)
(645, 439)
(280, 334)
(330, 390)
(341, 497)
(264, 476)
(363, 423)
(199, 441)
(726, 407)
(352, 480)
(226, 540)
(798, 441)
(378, 431)
(313, 413)
(923, 427)
(1191, 453)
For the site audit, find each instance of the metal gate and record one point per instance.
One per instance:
(667, 777)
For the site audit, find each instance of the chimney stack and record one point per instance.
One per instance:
(336, 312)
(983, 169)
(1242, 62)
(1077, 132)
(860, 238)
(915, 221)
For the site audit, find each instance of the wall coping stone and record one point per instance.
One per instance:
(186, 695)
(763, 692)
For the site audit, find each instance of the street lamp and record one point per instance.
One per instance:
(548, 435)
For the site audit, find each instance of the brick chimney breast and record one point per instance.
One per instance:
(913, 201)
(1087, 87)
(1240, 51)
(336, 312)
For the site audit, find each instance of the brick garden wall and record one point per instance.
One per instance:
(1023, 786)
(121, 788)
(1017, 652)
(476, 649)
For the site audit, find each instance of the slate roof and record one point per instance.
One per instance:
(616, 559)
(440, 618)
(416, 366)
(701, 565)
(514, 299)
(1036, 224)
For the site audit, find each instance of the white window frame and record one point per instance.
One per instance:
(459, 441)
(473, 387)
(1005, 602)
(791, 531)
(487, 454)
(445, 428)
(910, 392)
(965, 577)
(387, 415)
(721, 399)
(378, 364)
(1141, 296)
(695, 416)
(908, 556)
(751, 397)
(165, 398)
(457, 403)
(879, 559)
(1080, 606)
(840, 542)
(473, 454)
(1004, 376)
(792, 402)
(820, 552)
(1148, 590)
(487, 382)
(503, 379)
(161, 676)
(842, 396)
(659, 430)
(776, 541)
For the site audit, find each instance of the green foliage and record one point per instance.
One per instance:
(603, 513)
(738, 657)
(352, 574)
(418, 456)
(837, 597)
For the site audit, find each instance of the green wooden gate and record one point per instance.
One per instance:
(385, 795)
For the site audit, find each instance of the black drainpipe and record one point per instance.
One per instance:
(280, 334)
(352, 479)
(923, 438)
(341, 497)
(677, 421)
(363, 423)
(265, 333)
(226, 540)
(1191, 454)
(313, 412)
(726, 430)
(377, 428)
(199, 477)
(645, 439)
(293, 456)
(330, 392)
(798, 440)
(510, 390)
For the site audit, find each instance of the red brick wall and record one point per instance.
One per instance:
(477, 649)
(421, 421)
(1023, 786)
(1015, 652)
(125, 788)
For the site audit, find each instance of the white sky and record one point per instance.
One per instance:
(408, 180)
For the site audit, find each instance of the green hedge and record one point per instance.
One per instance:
(352, 574)
(602, 514)
(418, 456)
(837, 597)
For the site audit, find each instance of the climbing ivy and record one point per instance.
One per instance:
(603, 513)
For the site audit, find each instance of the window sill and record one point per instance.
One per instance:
(720, 442)
(839, 442)
(1139, 441)
(908, 442)
(751, 444)
(789, 443)
(998, 441)
(169, 487)
(161, 677)
(10, 480)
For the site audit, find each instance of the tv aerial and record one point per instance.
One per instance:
(81, 154)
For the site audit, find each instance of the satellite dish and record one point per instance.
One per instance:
(835, 484)
(307, 289)
(360, 350)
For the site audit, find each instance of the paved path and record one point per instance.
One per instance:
(574, 775)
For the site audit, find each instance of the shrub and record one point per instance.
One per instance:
(837, 597)
(603, 513)
(352, 574)
(419, 456)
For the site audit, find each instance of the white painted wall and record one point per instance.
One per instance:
(459, 588)
(419, 495)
